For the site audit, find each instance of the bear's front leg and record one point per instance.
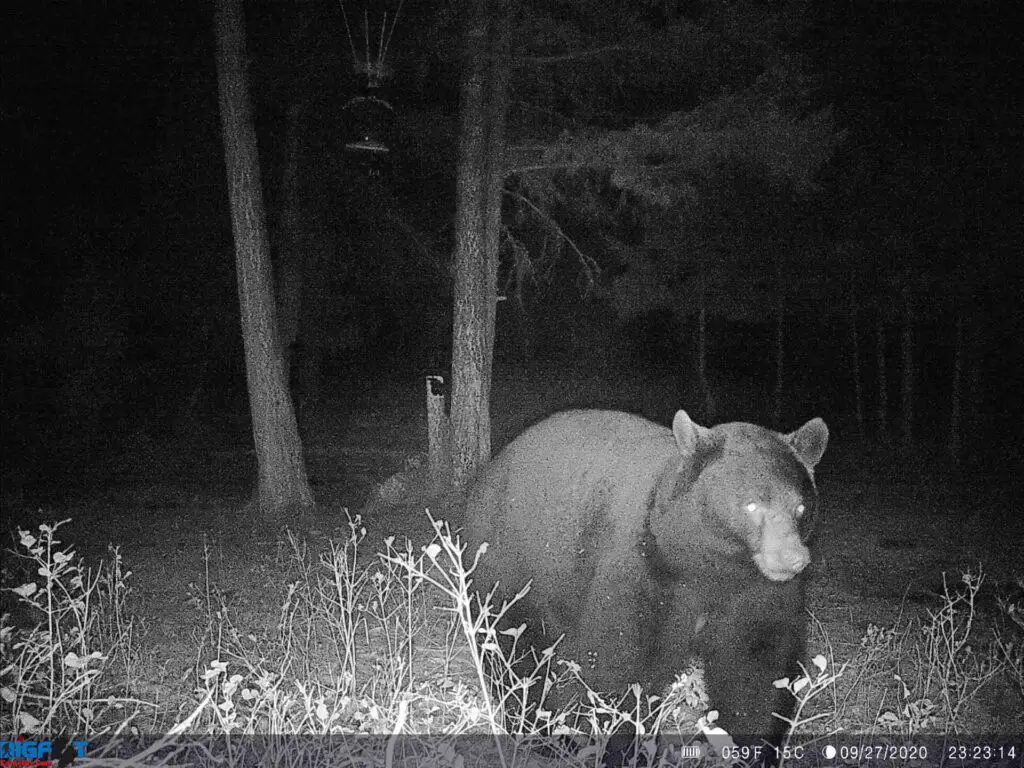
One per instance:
(605, 640)
(754, 640)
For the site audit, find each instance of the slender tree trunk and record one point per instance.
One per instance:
(499, 71)
(883, 379)
(907, 385)
(780, 329)
(291, 251)
(480, 183)
(315, 323)
(973, 394)
(524, 332)
(955, 445)
(707, 397)
(298, 247)
(858, 388)
(282, 486)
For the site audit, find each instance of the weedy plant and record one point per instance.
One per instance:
(73, 646)
(396, 648)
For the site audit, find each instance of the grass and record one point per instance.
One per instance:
(390, 644)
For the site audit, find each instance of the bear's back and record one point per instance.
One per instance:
(573, 478)
(588, 436)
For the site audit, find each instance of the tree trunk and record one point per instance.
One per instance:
(291, 251)
(315, 323)
(706, 395)
(480, 184)
(282, 486)
(298, 245)
(780, 328)
(858, 388)
(907, 385)
(955, 444)
(973, 395)
(883, 379)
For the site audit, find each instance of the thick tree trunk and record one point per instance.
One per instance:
(282, 486)
(480, 183)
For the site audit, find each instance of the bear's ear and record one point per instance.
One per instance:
(690, 437)
(809, 442)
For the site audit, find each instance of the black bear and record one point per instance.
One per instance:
(648, 546)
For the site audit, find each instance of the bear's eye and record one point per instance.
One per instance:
(751, 507)
(800, 510)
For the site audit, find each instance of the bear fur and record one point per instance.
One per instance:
(646, 547)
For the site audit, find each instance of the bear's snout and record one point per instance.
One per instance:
(784, 561)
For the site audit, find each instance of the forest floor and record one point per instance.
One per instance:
(177, 509)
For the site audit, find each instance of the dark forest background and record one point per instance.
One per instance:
(119, 298)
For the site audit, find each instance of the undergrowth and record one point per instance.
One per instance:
(390, 647)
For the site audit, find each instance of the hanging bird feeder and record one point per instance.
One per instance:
(369, 117)
(368, 122)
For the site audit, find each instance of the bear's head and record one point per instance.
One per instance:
(739, 492)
